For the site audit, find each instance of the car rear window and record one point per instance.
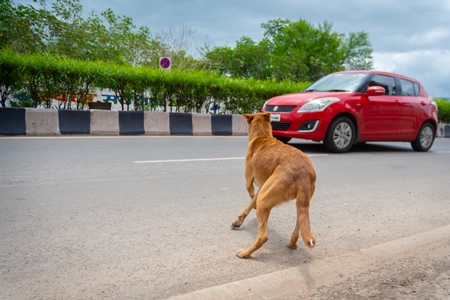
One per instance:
(409, 88)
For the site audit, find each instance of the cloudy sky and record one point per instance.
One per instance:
(409, 37)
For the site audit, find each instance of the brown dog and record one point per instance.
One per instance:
(282, 173)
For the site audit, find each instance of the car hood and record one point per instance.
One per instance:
(300, 98)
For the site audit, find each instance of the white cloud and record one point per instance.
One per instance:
(432, 37)
(428, 66)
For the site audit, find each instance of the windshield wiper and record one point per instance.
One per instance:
(310, 90)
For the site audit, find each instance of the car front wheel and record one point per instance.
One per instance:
(425, 138)
(340, 135)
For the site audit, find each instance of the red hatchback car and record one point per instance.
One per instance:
(350, 107)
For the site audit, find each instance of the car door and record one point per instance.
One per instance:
(381, 114)
(413, 109)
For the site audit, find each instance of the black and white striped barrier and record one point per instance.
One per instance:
(41, 122)
(30, 121)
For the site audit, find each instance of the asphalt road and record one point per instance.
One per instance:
(149, 218)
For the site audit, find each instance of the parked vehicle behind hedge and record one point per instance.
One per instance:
(350, 107)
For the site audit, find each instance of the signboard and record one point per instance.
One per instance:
(165, 63)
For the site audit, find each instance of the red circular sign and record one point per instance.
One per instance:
(165, 63)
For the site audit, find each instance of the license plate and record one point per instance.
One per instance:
(275, 118)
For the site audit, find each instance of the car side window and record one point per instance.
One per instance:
(416, 89)
(409, 88)
(387, 82)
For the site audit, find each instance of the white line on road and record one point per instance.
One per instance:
(198, 159)
(186, 160)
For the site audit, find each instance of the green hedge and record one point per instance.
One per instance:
(42, 77)
(443, 110)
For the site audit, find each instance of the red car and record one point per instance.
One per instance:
(350, 107)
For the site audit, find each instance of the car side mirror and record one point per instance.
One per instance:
(375, 91)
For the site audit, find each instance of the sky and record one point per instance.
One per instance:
(409, 37)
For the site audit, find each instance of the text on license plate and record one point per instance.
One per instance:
(275, 118)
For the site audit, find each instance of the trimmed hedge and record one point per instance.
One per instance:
(43, 76)
(443, 110)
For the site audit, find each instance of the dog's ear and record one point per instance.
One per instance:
(267, 117)
(248, 117)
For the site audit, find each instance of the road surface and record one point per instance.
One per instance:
(149, 218)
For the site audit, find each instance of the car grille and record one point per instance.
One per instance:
(281, 125)
(280, 108)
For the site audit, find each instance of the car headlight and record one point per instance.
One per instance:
(318, 104)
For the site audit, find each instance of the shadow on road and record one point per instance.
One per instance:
(318, 148)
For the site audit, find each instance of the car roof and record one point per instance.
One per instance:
(379, 73)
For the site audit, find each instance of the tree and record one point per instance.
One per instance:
(296, 51)
(247, 60)
(175, 43)
(9, 82)
(358, 51)
(23, 27)
(301, 51)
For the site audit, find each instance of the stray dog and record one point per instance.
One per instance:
(282, 173)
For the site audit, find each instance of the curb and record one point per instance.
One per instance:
(308, 278)
(45, 122)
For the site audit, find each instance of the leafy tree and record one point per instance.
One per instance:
(358, 51)
(23, 27)
(297, 51)
(302, 52)
(247, 60)
(217, 59)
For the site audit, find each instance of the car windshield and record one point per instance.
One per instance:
(338, 82)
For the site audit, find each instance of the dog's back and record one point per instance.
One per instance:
(265, 155)
(282, 173)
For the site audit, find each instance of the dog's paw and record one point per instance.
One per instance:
(312, 243)
(236, 224)
(241, 254)
(292, 246)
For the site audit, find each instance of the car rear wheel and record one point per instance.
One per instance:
(340, 135)
(425, 138)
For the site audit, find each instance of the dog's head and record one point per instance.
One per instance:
(258, 125)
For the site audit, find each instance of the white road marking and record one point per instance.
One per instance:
(186, 160)
(198, 159)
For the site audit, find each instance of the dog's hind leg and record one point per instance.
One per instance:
(303, 225)
(244, 213)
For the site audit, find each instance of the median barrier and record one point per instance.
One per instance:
(180, 124)
(201, 124)
(104, 122)
(131, 122)
(239, 125)
(42, 121)
(48, 122)
(156, 123)
(443, 130)
(74, 121)
(33, 121)
(221, 124)
(12, 121)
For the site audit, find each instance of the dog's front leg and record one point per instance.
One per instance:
(244, 213)
(249, 180)
(262, 215)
